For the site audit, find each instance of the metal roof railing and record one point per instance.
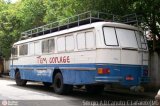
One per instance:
(78, 20)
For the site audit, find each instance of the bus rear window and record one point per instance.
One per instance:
(142, 43)
(126, 38)
(110, 36)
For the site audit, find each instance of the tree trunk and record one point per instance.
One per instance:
(154, 69)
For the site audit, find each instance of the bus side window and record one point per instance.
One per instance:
(69, 43)
(51, 45)
(23, 49)
(85, 40)
(37, 48)
(31, 48)
(61, 44)
(14, 51)
(81, 41)
(90, 40)
(45, 46)
(48, 46)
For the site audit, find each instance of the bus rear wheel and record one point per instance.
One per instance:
(19, 81)
(59, 86)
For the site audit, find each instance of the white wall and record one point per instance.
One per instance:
(154, 68)
(6, 64)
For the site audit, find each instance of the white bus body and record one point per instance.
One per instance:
(93, 54)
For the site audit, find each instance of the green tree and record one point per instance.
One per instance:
(150, 10)
(9, 25)
(28, 14)
(61, 9)
(31, 13)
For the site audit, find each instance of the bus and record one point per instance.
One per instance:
(90, 52)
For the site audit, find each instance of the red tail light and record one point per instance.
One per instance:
(129, 78)
(103, 71)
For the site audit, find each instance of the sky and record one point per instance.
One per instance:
(12, 1)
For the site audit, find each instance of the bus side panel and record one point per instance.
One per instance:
(73, 77)
(33, 73)
(12, 73)
(37, 75)
(79, 77)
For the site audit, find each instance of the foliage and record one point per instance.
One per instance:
(150, 11)
(8, 28)
(60, 9)
(27, 14)
(119, 7)
(31, 13)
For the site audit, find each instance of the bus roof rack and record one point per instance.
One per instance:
(81, 19)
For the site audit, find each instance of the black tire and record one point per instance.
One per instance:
(47, 84)
(95, 89)
(59, 86)
(19, 81)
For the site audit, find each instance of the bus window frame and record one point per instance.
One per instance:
(144, 38)
(115, 35)
(134, 36)
(85, 48)
(13, 50)
(42, 44)
(19, 47)
(126, 29)
(61, 51)
(48, 47)
(70, 35)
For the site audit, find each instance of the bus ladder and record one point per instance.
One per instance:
(142, 54)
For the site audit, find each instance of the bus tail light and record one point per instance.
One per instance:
(129, 78)
(103, 71)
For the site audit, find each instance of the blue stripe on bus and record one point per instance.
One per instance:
(77, 65)
(84, 74)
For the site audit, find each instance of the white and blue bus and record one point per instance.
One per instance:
(92, 54)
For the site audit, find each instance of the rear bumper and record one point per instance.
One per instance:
(144, 80)
(106, 79)
(121, 80)
(120, 72)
